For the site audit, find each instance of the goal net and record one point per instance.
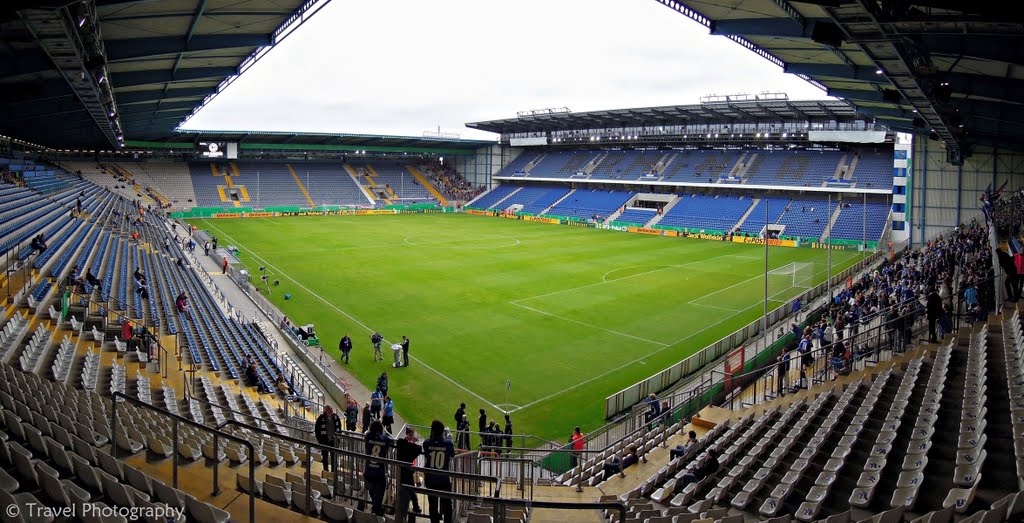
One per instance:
(788, 280)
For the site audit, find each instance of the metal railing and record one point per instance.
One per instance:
(175, 421)
(625, 399)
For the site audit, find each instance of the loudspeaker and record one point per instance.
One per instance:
(891, 96)
(919, 123)
(827, 33)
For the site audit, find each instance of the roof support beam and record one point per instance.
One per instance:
(135, 78)
(131, 48)
(781, 27)
(144, 96)
(861, 73)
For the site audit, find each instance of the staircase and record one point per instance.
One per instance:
(753, 161)
(738, 167)
(664, 210)
(366, 192)
(852, 167)
(426, 184)
(614, 216)
(301, 187)
(498, 203)
(840, 169)
(589, 168)
(528, 167)
(832, 220)
(753, 205)
(545, 211)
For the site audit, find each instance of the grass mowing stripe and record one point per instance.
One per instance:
(453, 301)
(356, 320)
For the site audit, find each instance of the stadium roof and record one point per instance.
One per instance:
(285, 141)
(719, 111)
(60, 59)
(943, 66)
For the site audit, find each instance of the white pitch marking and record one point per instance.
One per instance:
(353, 318)
(617, 333)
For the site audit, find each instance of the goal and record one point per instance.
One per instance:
(790, 279)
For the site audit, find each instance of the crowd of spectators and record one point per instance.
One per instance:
(451, 183)
(950, 275)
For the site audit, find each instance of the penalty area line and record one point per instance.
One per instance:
(353, 318)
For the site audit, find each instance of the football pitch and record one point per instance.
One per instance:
(566, 315)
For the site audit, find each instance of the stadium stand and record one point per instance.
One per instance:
(702, 212)
(587, 204)
(330, 184)
(535, 199)
(855, 221)
(635, 216)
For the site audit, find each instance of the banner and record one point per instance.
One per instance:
(526, 142)
(643, 230)
(574, 223)
(246, 215)
(540, 219)
(510, 216)
(622, 228)
(760, 241)
(704, 236)
(666, 232)
(476, 212)
(364, 212)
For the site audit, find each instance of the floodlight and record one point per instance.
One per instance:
(878, 71)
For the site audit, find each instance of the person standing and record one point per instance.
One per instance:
(407, 450)
(328, 426)
(459, 413)
(933, 305)
(382, 383)
(367, 416)
(577, 445)
(508, 432)
(206, 248)
(345, 346)
(375, 473)
(351, 415)
(463, 432)
(376, 338)
(405, 351)
(438, 452)
(376, 402)
(389, 413)
(224, 266)
(481, 425)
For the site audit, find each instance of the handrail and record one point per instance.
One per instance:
(500, 503)
(336, 452)
(217, 433)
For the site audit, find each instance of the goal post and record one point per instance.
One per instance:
(788, 280)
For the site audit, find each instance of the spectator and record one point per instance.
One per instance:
(460, 412)
(181, 302)
(376, 403)
(681, 450)
(406, 451)
(389, 413)
(382, 383)
(508, 432)
(405, 351)
(481, 424)
(707, 467)
(439, 452)
(375, 473)
(463, 432)
(328, 426)
(578, 444)
(367, 416)
(351, 415)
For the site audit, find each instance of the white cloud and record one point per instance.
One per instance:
(403, 66)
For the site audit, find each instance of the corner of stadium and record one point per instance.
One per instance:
(750, 307)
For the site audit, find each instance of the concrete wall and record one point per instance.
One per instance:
(482, 166)
(945, 195)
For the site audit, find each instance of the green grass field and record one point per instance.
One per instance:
(568, 315)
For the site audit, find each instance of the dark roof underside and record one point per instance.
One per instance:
(162, 58)
(713, 112)
(942, 66)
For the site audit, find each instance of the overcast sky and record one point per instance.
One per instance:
(401, 67)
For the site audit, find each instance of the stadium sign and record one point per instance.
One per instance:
(760, 241)
(644, 230)
(622, 228)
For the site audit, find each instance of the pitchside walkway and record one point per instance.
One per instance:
(237, 298)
